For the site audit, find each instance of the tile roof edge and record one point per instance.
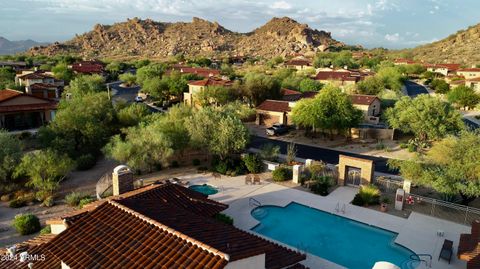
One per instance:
(171, 231)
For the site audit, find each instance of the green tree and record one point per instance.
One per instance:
(310, 85)
(61, 71)
(427, 117)
(215, 95)
(440, 86)
(259, 87)
(157, 88)
(371, 86)
(87, 84)
(227, 70)
(128, 78)
(44, 170)
(132, 115)
(150, 72)
(451, 167)
(330, 110)
(115, 68)
(7, 77)
(81, 126)
(219, 132)
(10, 155)
(463, 96)
(391, 78)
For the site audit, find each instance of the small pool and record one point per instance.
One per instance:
(340, 240)
(204, 189)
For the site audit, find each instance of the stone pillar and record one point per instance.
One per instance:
(122, 180)
(308, 162)
(407, 184)
(297, 173)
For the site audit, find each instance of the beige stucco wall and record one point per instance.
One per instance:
(367, 168)
(270, 117)
(468, 75)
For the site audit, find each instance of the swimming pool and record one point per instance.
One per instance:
(340, 240)
(204, 189)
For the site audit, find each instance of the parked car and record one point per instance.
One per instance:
(277, 129)
(138, 99)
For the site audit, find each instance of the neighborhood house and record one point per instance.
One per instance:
(197, 86)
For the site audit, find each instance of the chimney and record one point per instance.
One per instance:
(122, 180)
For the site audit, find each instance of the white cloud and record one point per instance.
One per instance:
(392, 37)
(281, 5)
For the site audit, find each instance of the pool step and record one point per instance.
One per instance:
(259, 213)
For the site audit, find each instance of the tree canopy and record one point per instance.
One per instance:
(451, 167)
(87, 84)
(259, 87)
(427, 117)
(330, 110)
(10, 154)
(464, 97)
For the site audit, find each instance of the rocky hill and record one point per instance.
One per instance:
(12, 47)
(148, 38)
(461, 47)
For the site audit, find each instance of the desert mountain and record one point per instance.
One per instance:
(12, 47)
(148, 38)
(461, 47)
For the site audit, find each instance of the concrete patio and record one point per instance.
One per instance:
(418, 232)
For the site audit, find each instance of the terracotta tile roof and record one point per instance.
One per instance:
(450, 67)
(35, 75)
(159, 226)
(469, 70)
(289, 92)
(36, 246)
(8, 94)
(360, 99)
(309, 94)
(404, 61)
(337, 76)
(211, 82)
(274, 105)
(43, 86)
(202, 72)
(88, 67)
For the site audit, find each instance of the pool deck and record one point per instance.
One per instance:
(417, 233)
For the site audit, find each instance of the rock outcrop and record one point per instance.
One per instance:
(148, 38)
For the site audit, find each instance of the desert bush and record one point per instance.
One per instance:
(321, 185)
(16, 203)
(85, 201)
(282, 173)
(26, 224)
(74, 198)
(368, 195)
(253, 163)
(196, 162)
(224, 218)
(46, 230)
(86, 162)
(270, 152)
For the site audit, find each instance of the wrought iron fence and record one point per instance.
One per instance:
(429, 206)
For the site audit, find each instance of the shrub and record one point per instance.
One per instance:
(282, 173)
(17, 203)
(270, 152)
(368, 195)
(85, 201)
(224, 218)
(48, 202)
(73, 199)
(221, 167)
(6, 197)
(175, 164)
(253, 163)
(86, 162)
(26, 224)
(46, 230)
(321, 185)
(196, 162)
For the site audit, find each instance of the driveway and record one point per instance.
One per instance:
(316, 153)
(414, 89)
(118, 92)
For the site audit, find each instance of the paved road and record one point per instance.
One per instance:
(414, 89)
(127, 94)
(315, 153)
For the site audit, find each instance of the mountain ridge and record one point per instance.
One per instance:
(11, 47)
(148, 38)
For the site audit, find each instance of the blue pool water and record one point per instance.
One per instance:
(340, 240)
(205, 189)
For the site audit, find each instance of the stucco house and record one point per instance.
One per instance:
(20, 111)
(341, 77)
(199, 71)
(469, 73)
(162, 225)
(444, 69)
(197, 86)
(299, 64)
(89, 68)
(28, 78)
(45, 90)
(370, 105)
(473, 83)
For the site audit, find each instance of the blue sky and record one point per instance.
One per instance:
(371, 23)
